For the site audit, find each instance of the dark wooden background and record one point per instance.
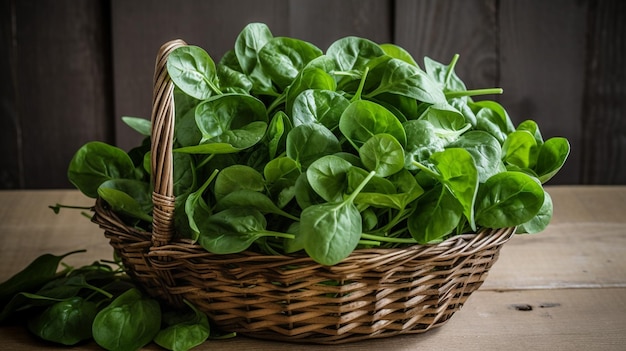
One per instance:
(70, 69)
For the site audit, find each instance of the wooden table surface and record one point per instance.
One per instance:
(563, 289)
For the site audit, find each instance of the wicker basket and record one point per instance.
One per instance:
(371, 294)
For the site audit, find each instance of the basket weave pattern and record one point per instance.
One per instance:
(372, 293)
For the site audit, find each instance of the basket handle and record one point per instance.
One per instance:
(162, 136)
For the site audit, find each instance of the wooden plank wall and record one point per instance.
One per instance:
(70, 69)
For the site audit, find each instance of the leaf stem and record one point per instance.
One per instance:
(475, 92)
(450, 70)
(359, 91)
(56, 208)
(388, 239)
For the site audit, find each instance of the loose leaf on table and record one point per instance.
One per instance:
(66, 322)
(182, 335)
(130, 322)
(40, 271)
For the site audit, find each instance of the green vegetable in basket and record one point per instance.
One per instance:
(282, 147)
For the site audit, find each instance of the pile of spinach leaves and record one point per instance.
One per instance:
(281, 147)
(99, 302)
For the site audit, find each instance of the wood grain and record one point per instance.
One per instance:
(439, 29)
(604, 104)
(61, 86)
(542, 45)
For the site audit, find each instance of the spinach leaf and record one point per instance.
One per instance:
(331, 231)
(185, 334)
(128, 196)
(193, 71)
(234, 230)
(277, 132)
(520, 149)
(130, 322)
(328, 177)
(308, 142)
(551, 158)
(508, 199)
(96, 162)
(436, 215)
(398, 52)
(319, 106)
(485, 150)
(540, 221)
(458, 172)
(40, 271)
(231, 76)
(237, 177)
(283, 58)
(66, 322)
(140, 125)
(405, 79)
(383, 154)
(363, 119)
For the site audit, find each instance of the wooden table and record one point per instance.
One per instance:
(563, 289)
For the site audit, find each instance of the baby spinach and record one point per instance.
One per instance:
(66, 322)
(130, 322)
(283, 146)
(185, 334)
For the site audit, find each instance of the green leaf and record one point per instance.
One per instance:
(283, 58)
(193, 71)
(460, 175)
(541, 220)
(237, 177)
(319, 106)
(308, 142)
(508, 199)
(141, 125)
(328, 177)
(96, 162)
(66, 322)
(363, 119)
(485, 149)
(186, 334)
(382, 153)
(130, 322)
(405, 79)
(40, 271)
(551, 158)
(520, 149)
(436, 215)
(127, 196)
